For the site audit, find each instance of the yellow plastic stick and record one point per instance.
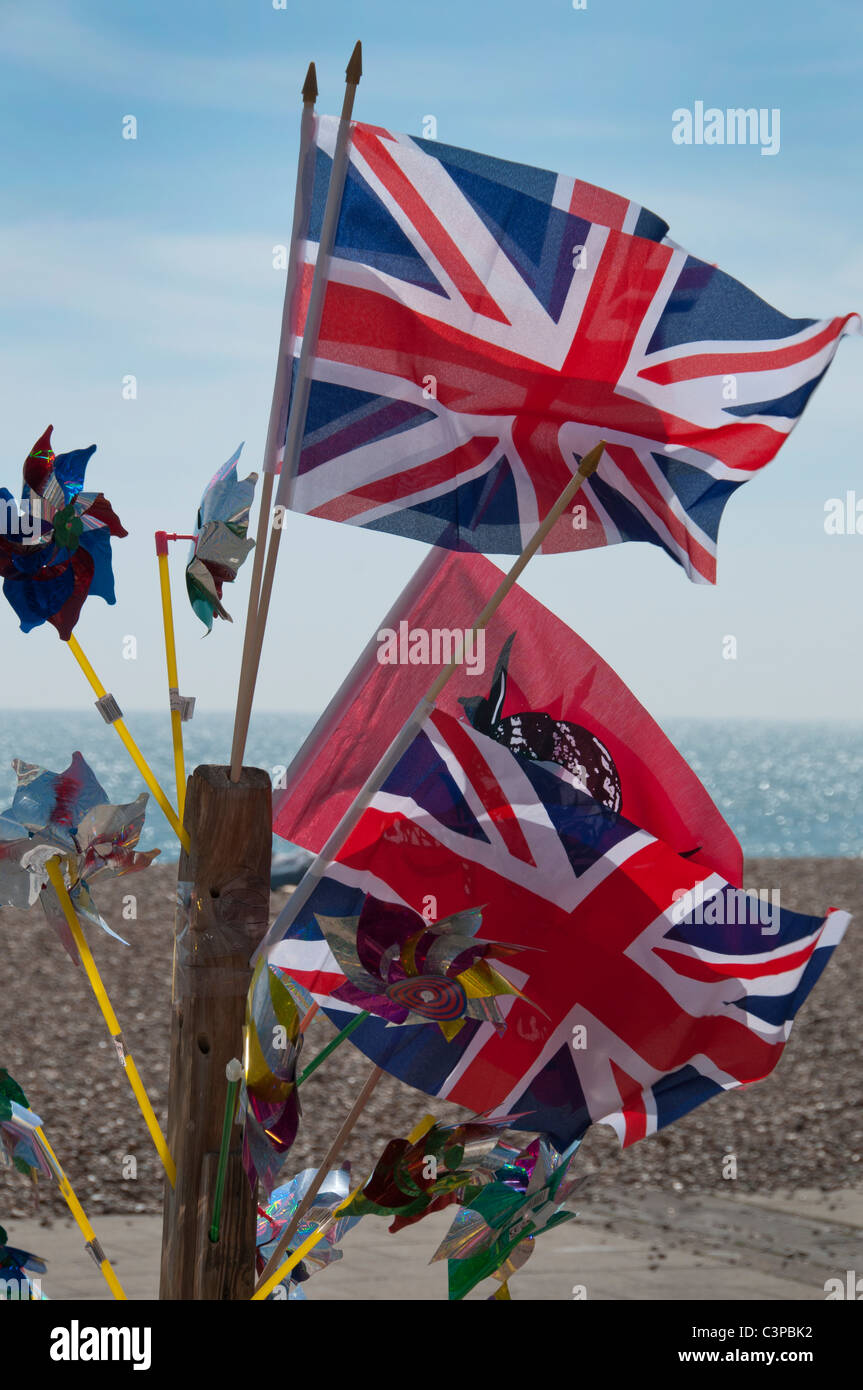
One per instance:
(131, 746)
(81, 1218)
(55, 874)
(171, 662)
(302, 1250)
(311, 1241)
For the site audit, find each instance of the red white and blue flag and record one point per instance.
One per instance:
(538, 687)
(486, 323)
(648, 984)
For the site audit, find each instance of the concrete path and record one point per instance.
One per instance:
(650, 1246)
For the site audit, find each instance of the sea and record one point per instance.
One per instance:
(787, 789)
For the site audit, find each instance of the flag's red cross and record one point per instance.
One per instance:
(373, 331)
(583, 955)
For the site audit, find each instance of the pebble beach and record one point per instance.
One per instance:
(801, 1128)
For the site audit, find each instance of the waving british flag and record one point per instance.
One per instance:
(485, 324)
(645, 984)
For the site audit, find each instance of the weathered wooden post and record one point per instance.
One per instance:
(223, 891)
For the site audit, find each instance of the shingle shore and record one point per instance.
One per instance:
(800, 1128)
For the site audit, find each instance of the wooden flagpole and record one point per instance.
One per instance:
(171, 664)
(328, 1162)
(281, 394)
(399, 745)
(266, 1285)
(299, 407)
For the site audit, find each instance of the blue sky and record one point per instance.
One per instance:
(154, 257)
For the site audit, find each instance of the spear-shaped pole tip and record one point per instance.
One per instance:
(354, 69)
(310, 86)
(591, 461)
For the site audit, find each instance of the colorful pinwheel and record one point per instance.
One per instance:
(18, 1126)
(494, 1233)
(66, 814)
(271, 1047)
(24, 1144)
(220, 545)
(56, 550)
(280, 1209)
(18, 1266)
(408, 970)
(434, 1168)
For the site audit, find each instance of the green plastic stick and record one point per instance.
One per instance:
(234, 1073)
(332, 1045)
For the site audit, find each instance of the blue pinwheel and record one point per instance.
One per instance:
(56, 549)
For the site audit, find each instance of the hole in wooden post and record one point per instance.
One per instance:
(203, 1043)
(214, 893)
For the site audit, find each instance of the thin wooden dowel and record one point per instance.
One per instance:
(249, 674)
(55, 874)
(281, 394)
(265, 1288)
(415, 721)
(171, 664)
(296, 423)
(238, 745)
(130, 745)
(308, 1016)
(329, 1161)
(279, 401)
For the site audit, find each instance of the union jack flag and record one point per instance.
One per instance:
(485, 324)
(644, 989)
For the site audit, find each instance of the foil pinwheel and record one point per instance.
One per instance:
(436, 1166)
(408, 970)
(494, 1232)
(280, 1209)
(19, 1144)
(56, 549)
(66, 814)
(220, 545)
(18, 1266)
(271, 1049)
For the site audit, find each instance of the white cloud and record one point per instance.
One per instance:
(49, 38)
(197, 295)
